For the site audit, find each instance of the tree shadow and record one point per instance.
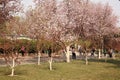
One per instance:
(6, 71)
(116, 62)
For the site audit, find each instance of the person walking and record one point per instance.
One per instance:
(80, 50)
(73, 53)
(93, 51)
(49, 52)
(110, 53)
(23, 50)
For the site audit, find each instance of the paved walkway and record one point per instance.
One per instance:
(33, 59)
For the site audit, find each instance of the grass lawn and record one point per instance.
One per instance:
(75, 70)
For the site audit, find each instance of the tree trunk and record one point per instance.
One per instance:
(68, 54)
(39, 55)
(50, 63)
(12, 67)
(99, 54)
(86, 58)
(113, 55)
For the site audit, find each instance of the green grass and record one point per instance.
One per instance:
(76, 70)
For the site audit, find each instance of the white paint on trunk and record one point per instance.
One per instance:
(99, 54)
(86, 58)
(68, 54)
(39, 55)
(50, 63)
(113, 55)
(12, 67)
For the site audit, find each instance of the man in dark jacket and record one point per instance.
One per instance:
(49, 52)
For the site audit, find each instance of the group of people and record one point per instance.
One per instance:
(110, 52)
(93, 51)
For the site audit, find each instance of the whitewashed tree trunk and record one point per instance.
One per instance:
(50, 63)
(12, 67)
(113, 55)
(68, 54)
(86, 58)
(99, 54)
(39, 55)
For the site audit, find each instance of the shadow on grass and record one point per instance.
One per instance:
(7, 71)
(116, 62)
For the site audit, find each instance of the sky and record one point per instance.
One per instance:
(115, 4)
